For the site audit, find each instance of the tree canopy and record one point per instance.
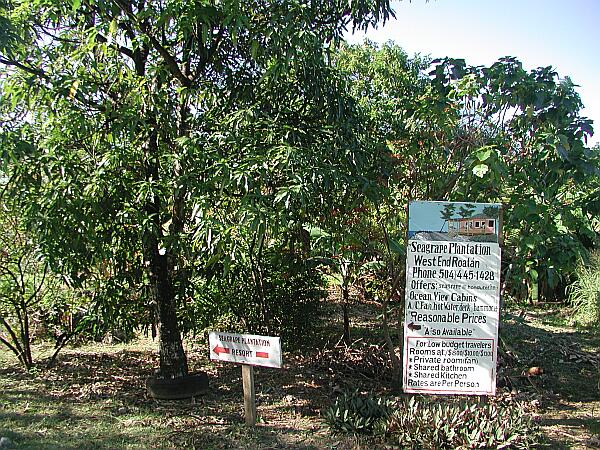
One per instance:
(144, 137)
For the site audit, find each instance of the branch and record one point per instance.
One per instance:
(61, 341)
(10, 273)
(169, 59)
(11, 348)
(42, 74)
(38, 288)
(21, 275)
(171, 62)
(14, 337)
(210, 54)
(55, 37)
(120, 48)
(28, 69)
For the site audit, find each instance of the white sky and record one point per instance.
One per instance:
(562, 34)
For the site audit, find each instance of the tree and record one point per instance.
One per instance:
(447, 213)
(530, 153)
(23, 285)
(347, 250)
(131, 129)
(498, 134)
(465, 212)
(32, 298)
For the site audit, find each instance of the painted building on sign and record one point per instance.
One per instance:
(479, 224)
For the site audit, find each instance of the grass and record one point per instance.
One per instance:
(584, 294)
(95, 397)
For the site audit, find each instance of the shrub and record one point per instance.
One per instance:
(355, 413)
(430, 424)
(286, 303)
(584, 293)
(424, 424)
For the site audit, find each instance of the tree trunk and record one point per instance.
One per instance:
(26, 338)
(173, 361)
(345, 295)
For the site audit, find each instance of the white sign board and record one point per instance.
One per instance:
(452, 304)
(245, 349)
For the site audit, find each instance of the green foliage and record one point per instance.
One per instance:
(427, 424)
(34, 302)
(281, 298)
(584, 293)
(500, 134)
(526, 128)
(148, 137)
(415, 424)
(356, 413)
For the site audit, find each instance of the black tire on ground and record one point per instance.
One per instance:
(177, 388)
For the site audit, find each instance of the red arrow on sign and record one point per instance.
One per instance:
(262, 355)
(218, 349)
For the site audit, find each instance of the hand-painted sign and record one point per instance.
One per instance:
(245, 349)
(452, 298)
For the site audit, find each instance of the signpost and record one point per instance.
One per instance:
(452, 298)
(248, 350)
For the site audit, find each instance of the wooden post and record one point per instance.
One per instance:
(249, 394)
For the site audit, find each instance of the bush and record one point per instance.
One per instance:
(286, 303)
(418, 425)
(356, 414)
(426, 424)
(584, 293)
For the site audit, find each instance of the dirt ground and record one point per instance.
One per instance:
(95, 397)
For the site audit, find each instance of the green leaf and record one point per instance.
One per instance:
(484, 153)
(395, 246)
(317, 233)
(112, 27)
(335, 279)
(534, 275)
(480, 170)
(76, 4)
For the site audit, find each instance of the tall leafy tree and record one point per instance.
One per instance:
(494, 134)
(139, 136)
(531, 155)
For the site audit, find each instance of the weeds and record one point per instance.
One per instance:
(418, 424)
(584, 293)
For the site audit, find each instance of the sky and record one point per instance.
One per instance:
(563, 34)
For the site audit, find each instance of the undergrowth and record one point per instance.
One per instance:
(584, 293)
(433, 424)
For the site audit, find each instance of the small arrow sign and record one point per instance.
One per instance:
(414, 327)
(250, 349)
(218, 349)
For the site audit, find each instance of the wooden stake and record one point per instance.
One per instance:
(249, 394)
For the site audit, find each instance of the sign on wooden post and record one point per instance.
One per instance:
(248, 350)
(452, 298)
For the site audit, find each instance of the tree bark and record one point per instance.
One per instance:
(345, 299)
(173, 361)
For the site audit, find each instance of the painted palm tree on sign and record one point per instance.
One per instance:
(447, 213)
